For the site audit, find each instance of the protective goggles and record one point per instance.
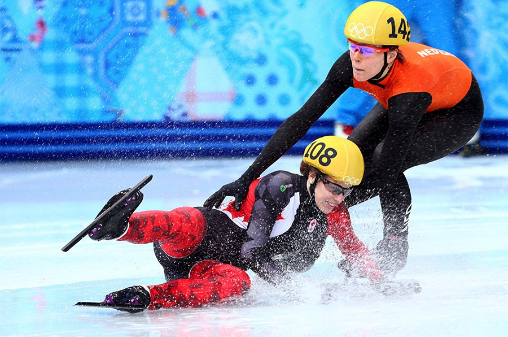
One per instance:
(366, 51)
(336, 189)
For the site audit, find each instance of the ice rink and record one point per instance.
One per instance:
(458, 252)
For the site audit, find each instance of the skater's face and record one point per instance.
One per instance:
(330, 193)
(367, 60)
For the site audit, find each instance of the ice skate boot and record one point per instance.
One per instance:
(114, 226)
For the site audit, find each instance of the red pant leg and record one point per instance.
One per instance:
(179, 231)
(209, 282)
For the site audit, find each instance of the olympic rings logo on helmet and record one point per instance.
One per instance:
(378, 23)
(351, 181)
(360, 30)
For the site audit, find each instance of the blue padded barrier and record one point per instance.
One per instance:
(494, 135)
(144, 140)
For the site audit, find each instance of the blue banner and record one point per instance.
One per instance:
(101, 61)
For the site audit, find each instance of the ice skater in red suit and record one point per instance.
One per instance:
(280, 229)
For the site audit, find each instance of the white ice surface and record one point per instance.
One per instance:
(458, 252)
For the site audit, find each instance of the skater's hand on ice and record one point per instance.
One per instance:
(346, 266)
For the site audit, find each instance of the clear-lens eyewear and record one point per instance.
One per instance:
(336, 189)
(366, 51)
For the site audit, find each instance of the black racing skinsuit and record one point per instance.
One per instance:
(420, 138)
(295, 248)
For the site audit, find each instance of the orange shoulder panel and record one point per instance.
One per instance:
(444, 76)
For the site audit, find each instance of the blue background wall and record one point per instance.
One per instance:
(74, 65)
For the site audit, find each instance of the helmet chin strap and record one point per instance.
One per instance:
(311, 201)
(312, 187)
(385, 65)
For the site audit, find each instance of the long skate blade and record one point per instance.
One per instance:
(110, 305)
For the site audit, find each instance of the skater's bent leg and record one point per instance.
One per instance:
(209, 282)
(393, 249)
(179, 231)
(396, 207)
(442, 132)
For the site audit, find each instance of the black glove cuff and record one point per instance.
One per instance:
(250, 174)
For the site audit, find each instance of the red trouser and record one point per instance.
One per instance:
(209, 282)
(180, 232)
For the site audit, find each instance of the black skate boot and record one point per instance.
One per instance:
(116, 225)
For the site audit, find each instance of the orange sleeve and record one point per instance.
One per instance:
(341, 230)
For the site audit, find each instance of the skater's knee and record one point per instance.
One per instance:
(221, 271)
(185, 233)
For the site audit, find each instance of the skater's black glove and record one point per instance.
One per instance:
(346, 267)
(115, 225)
(391, 254)
(237, 189)
(137, 297)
